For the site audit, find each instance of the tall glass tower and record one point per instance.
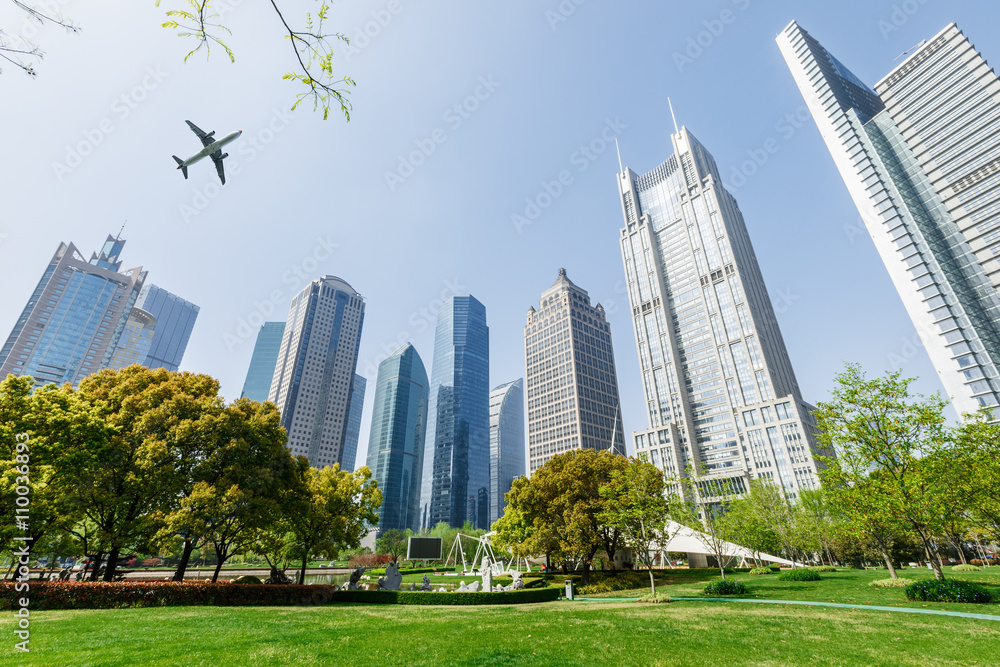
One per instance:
(174, 321)
(456, 468)
(572, 384)
(315, 369)
(353, 434)
(506, 442)
(75, 316)
(135, 340)
(396, 443)
(257, 385)
(723, 403)
(920, 155)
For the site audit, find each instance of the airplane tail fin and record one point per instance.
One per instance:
(180, 165)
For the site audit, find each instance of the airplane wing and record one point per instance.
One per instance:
(206, 138)
(217, 159)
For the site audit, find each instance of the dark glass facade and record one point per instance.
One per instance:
(396, 442)
(353, 434)
(265, 356)
(174, 321)
(456, 468)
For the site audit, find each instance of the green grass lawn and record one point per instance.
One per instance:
(844, 586)
(557, 633)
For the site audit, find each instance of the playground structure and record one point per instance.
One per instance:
(485, 556)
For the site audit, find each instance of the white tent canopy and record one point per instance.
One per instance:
(687, 540)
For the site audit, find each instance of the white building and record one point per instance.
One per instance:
(314, 373)
(572, 384)
(723, 403)
(506, 442)
(920, 155)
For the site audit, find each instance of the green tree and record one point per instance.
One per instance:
(334, 512)
(748, 528)
(977, 442)
(634, 503)
(392, 543)
(876, 426)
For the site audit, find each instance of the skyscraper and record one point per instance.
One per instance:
(257, 385)
(572, 384)
(72, 322)
(357, 406)
(396, 443)
(315, 368)
(920, 155)
(135, 341)
(506, 442)
(723, 403)
(175, 319)
(456, 469)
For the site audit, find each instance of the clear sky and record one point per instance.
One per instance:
(537, 83)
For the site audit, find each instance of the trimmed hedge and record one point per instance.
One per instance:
(523, 596)
(890, 583)
(380, 571)
(725, 587)
(120, 594)
(799, 575)
(761, 570)
(966, 568)
(823, 568)
(950, 590)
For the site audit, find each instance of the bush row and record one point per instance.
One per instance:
(799, 575)
(380, 571)
(725, 587)
(431, 598)
(101, 595)
(949, 590)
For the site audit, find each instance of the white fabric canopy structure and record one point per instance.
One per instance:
(687, 540)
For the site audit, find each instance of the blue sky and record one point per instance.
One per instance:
(537, 83)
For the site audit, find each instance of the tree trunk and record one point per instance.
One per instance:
(961, 551)
(218, 568)
(652, 582)
(97, 565)
(888, 563)
(302, 572)
(585, 579)
(109, 569)
(185, 557)
(935, 564)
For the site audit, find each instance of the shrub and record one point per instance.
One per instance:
(761, 570)
(525, 596)
(725, 587)
(966, 568)
(654, 598)
(247, 579)
(368, 560)
(120, 594)
(151, 562)
(823, 568)
(889, 583)
(799, 575)
(950, 590)
(606, 582)
(976, 561)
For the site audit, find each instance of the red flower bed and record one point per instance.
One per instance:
(119, 594)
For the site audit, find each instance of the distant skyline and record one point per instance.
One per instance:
(88, 145)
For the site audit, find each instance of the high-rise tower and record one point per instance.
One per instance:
(73, 320)
(353, 434)
(456, 469)
(723, 403)
(175, 319)
(506, 442)
(572, 385)
(314, 372)
(257, 385)
(920, 155)
(396, 443)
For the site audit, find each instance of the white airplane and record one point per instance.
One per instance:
(212, 148)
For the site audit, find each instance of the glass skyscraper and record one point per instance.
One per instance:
(257, 385)
(353, 434)
(75, 316)
(396, 442)
(506, 442)
(920, 155)
(572, 384)
(135, 341)
(456, 468)
(315, 369)
(174, 321)
(723, 403)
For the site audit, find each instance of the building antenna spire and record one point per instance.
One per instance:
(674, 118)
(621, 169)
(119, 237)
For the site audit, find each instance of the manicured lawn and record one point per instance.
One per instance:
(557, 633)
(844, 586)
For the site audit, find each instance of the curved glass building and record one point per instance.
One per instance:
(506, 442)
(396, 443)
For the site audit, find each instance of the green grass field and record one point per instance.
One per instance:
(557, 633)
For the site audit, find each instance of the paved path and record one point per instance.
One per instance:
(904, 610)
